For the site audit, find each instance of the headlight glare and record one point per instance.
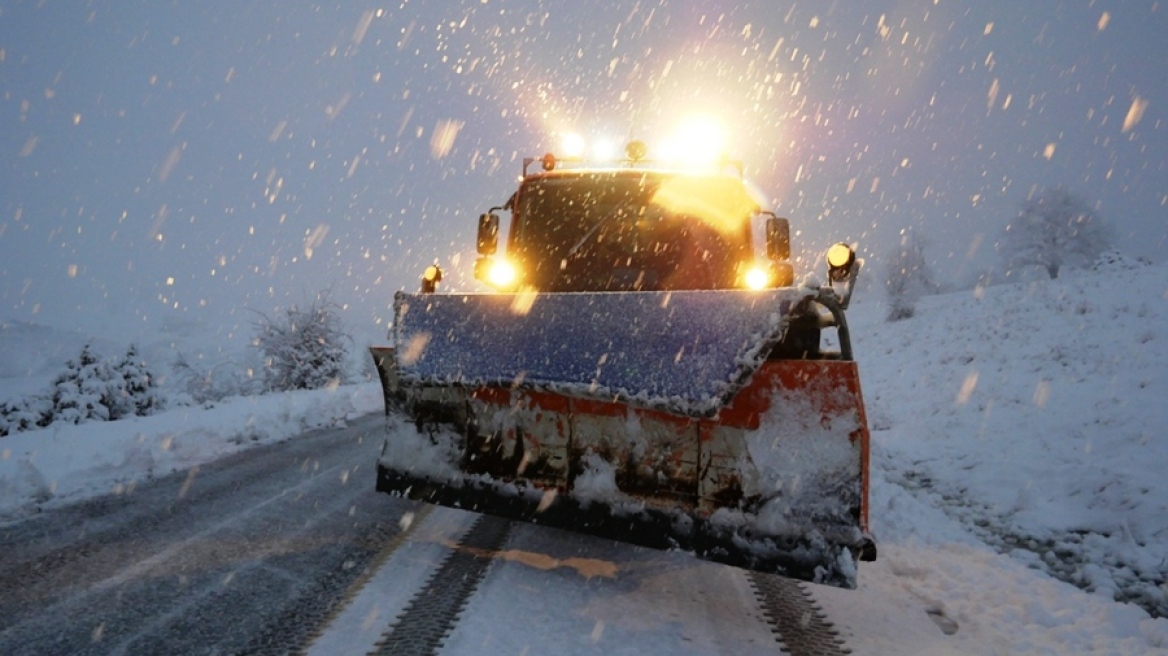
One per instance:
(756, 278)
(502, 274)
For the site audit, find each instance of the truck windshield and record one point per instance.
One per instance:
(624, 230)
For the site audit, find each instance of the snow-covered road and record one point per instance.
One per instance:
(548, 591)
(245, 554)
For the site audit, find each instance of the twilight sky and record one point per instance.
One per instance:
(188, 161)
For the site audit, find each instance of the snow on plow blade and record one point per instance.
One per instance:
(651, 418)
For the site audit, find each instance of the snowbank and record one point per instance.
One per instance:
(65, 462)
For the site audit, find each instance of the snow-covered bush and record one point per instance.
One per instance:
(1111, 260)
(907, 277)
(304, 349)
(89, 389)
(208, 383)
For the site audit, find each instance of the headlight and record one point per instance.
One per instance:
(756, 278)
(840, 258)
(699, 142)
(430, 279)
(502, 274)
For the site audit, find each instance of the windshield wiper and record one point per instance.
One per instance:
(591, 231)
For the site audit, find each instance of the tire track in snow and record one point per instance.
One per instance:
(432, 613)
(300, 625)
(798, 623)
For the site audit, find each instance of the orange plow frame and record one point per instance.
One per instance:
(708, 486)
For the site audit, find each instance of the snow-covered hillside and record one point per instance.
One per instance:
(1017, 436)
(1034, 415)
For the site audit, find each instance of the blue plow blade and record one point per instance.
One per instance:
(687, 352)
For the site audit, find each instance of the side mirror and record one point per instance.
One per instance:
(488, 241)
(778, 238)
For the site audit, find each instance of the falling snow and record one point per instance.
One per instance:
(172, 167)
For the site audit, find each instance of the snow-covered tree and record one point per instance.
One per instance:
(138, 393)
(304, 349)
(1055, 228)
(84, 391)
(89, 389)
(25, 414)
(907, 277)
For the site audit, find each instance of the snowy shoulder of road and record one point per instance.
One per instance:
(66, 462)
(1017, 443)
(1018, 434)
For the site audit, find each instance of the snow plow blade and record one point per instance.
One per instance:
(666, 420)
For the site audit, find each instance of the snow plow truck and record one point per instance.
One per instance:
(644, 371)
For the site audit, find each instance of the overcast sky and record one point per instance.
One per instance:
(193, 159)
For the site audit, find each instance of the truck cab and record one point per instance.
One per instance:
(631, 229)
